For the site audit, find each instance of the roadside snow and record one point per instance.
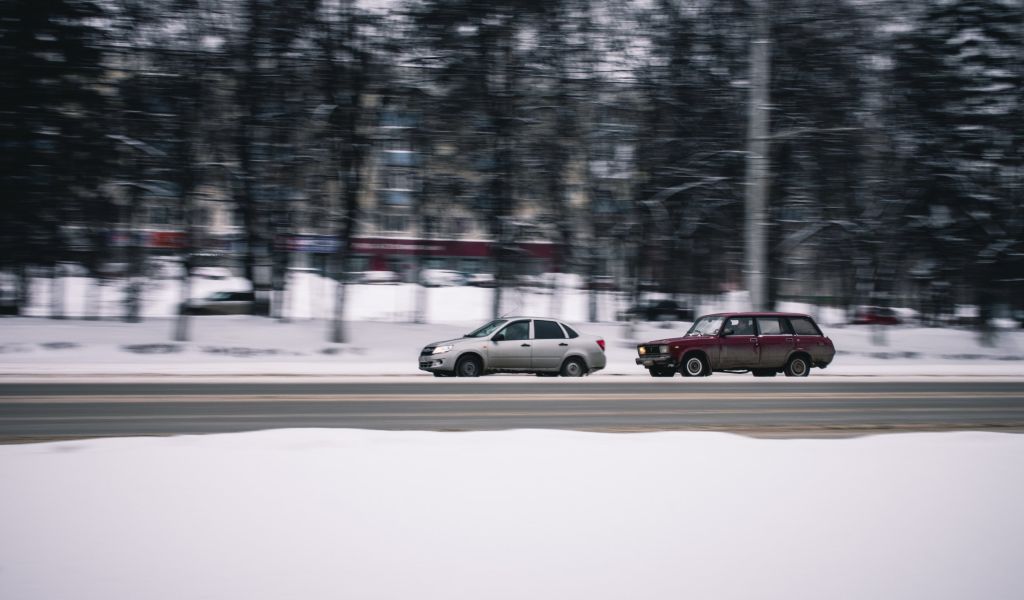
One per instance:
(384, 341)
(317, 514)
(259, 346)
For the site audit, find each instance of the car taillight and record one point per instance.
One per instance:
(601, 344)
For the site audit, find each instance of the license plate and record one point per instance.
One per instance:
(648, 363)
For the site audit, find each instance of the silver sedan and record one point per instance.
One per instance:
(516, 345)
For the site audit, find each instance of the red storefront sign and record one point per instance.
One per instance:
(170, 240)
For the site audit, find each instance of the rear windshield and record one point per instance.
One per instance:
(804, 326)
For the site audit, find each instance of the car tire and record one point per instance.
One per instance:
(798, 366)
(694, 366)
(763, 372)
(661, 372)
(573, 367)
(468, 366)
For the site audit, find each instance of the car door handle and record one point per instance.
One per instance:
(753, 340)
(563, 344)
(525, 345)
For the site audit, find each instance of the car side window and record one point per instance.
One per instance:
(520, 330)
(773, 326)
(804, 326)
(547, 330)
(572, 333)
(739, 326)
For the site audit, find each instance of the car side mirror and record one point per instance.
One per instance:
(498, 337)
(727, 332)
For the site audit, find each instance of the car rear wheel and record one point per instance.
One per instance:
(468, 366)
(573, 367)
(798, 367)
(661, 372)
(694, 366)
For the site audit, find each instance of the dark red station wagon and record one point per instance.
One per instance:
(762, 343)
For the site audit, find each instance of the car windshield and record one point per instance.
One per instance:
(487, 329)
(705, 326)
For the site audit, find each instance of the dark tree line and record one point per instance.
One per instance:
(617, 132)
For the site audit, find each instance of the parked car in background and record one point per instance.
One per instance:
(875, 315)
(659, 310)
(377, 277)
(602, 282)
(227, 303)
(441, 277)
(516, 345)
(485, 280)
(560, 280)
(113, 270)
(212, 272)
(165, 267)
(762, 343)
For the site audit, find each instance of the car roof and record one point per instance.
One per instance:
(756, 314)
(513, 318)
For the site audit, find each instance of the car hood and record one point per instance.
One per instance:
(659, 342)
(680, 340)
(454, 341)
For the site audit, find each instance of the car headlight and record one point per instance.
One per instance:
(642, 350)
(441, 349)
(663, 349)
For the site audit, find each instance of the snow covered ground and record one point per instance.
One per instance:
(384, 341)
(317, 514)
(515, 514)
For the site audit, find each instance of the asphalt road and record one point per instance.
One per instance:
(767, 407)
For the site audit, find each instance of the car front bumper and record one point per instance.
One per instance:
(656, 360)
(435, 363)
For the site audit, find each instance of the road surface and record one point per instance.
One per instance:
(773, 407)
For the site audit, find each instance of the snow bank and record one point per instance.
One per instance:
(384, 341)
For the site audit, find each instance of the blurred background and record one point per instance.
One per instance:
(862, 155)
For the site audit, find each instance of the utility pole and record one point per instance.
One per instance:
(757, 158)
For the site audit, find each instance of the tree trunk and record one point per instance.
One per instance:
(56, 293)
(338, 333)
(181, 322)
(758, 167)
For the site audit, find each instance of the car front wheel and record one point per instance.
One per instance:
(798, 367)
(468, 366)
(694, 366)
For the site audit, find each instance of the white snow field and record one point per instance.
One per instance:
(339, 514)
(384, 341)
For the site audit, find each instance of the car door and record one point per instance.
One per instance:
(511, 347)
(775, 339)
(549, 345)
(738, 343)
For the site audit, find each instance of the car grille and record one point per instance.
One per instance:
(427, 351)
